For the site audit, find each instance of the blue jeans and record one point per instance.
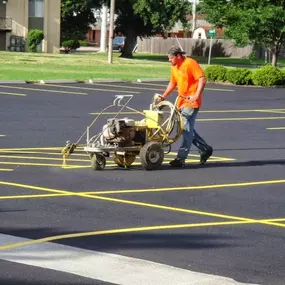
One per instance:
(189, 135)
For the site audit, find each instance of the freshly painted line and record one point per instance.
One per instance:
(13, 94)
(136, 203)
(33, 196)
(240, 119)
(106, 267)
(6, 169)
(32, 148)
(279, 128)
(43, 158)
(43, 90)
(92, 89)
(9, 245)
(212, 89)
(44, 164)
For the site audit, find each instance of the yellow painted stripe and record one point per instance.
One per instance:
(130, 230)
(13, 94)
(43, 158)
(116, 231)
(278, 128)
(44, 164)
(31, 148)
(240, 119)
(6, 169)
(92, 89)
(206, 111)
(2, 136)
(143, 204)
(212, 89)
(44, 90)
(32, 196)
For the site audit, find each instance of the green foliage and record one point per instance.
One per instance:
(216, 73)
(268, 76)
(83, 43)
(35, 37)
(145, 18)
(239, 76)
(70, 45)
(76, 16)
(258, 22)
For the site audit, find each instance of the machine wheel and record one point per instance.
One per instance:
(151, 155)
(98, 161)
(124, 160)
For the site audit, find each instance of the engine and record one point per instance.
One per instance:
(123, 131)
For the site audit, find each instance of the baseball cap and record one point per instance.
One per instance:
(174, 50)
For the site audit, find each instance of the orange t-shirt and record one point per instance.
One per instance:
(186, 78)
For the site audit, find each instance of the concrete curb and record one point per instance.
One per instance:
(96, 80)
(12, 82)
(151, 79)
(55, 81)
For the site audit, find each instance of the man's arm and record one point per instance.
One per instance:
(171, 86)
(201, 85)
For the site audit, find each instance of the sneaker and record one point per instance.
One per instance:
(177, 163)
(205, 155)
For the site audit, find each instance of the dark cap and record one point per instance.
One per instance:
(174, 50)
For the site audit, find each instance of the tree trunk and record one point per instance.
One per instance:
(275, 52)
(130, 43)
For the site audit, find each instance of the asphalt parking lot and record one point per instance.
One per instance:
(217, 222)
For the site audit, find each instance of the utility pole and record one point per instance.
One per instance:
(111, 31)
(193, 16)
(103, 29)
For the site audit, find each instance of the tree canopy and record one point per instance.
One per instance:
(76, 16)
(257, 22)
(144, 18)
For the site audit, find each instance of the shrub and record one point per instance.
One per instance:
(239, 76)
(268, 75)
(70, 45)
(216, 73)
(35, 37)
(84, 43)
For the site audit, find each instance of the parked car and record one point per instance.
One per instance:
(119, 43)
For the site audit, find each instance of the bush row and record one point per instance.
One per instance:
(267, 75)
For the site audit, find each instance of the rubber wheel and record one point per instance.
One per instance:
(98, 161)
(124, 160)
(151, 155)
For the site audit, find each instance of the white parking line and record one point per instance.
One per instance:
(107, 267)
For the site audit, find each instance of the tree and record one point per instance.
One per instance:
(76, 16)
(145, 18)
(257, 22)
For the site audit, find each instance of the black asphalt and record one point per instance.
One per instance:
(245, 150)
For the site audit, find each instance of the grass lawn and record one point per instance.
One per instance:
(82, 66)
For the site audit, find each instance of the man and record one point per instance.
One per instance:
(189, 78)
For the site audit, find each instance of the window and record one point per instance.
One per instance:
(36, 8)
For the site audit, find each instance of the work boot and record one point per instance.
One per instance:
(177, 163)
(205, 155)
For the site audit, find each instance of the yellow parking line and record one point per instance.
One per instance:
(143, 204)
(6, 169)
(13, 94)
(164, 85)
(44, 90)
(118, 231)
(44, 164)
(240, 119)
(92, 89)
(2, 136)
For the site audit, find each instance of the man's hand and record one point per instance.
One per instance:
(193, 99)
(159, 98)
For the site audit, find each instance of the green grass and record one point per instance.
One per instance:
(79, 66)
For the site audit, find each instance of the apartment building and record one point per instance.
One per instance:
(17, 17)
